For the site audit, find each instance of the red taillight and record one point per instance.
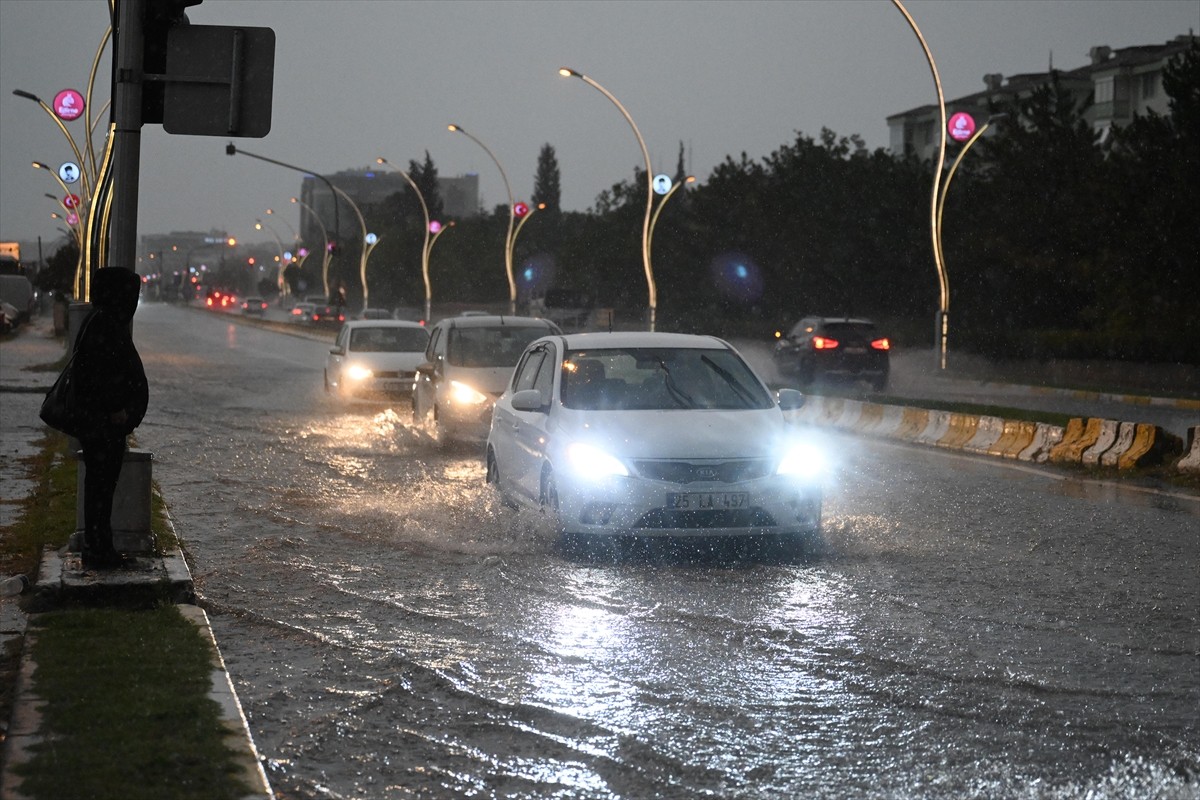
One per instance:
(824, 343)
(296, 312)
(881, 344)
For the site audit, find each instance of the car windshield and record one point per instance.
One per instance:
(490, 345)
(660, 379)
(850, 330)
(388, 340)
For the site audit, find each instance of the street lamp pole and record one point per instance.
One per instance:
(942, 325)
(280, 283)
(368, 244)
(508, 238)
(566, 72)
(426, 245)
(325, 254)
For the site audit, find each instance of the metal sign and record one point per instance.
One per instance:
(520, 209)
(71, 201)
(68, 105)
(219, 81)
(961, 127)
(434, 226)
(662, 183)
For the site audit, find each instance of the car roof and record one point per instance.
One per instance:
(583, 341)
(382, 323)
(493, 320)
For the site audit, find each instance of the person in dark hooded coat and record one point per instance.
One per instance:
(112, 383)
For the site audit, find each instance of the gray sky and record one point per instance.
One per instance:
(357, 79)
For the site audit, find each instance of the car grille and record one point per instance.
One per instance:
(393, 374)
(718, 518)
(691, 472)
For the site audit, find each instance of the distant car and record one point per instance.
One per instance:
(301, 312)
(218, 300)
(375, 313)
(375, 358)
(467, 365)
(254, 305)
(8, 316)
(652, 435)
(327, 315)
(834, 349)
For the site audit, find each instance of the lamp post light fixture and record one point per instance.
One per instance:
(567, 72)
(84, 177)
(427, 244)
(508, 238)
(79, 285)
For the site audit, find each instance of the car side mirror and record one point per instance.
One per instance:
(337, 351)
(789, 399)
(425, 369)
(528, 400)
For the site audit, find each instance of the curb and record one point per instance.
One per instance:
(1092, 442)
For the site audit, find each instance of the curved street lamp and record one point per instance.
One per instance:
(80, 284)
(425, 215)
(942, 322)
(368, 241)
(567, 72)
(508, 238)
(325, 254)
(280, 283)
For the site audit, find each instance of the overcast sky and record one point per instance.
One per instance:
(357, 79)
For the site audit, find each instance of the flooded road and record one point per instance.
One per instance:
(393, 631)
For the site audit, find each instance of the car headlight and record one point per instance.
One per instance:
(802, 460)
(357, 372)
(588, 461)
(466, 395)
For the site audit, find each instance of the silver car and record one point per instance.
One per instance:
(467, 365)
(653, 434)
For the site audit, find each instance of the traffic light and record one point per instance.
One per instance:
(158, 18)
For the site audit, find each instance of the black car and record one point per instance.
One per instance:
(833, 349)
(327, 315)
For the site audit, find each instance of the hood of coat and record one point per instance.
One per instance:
(115, 290)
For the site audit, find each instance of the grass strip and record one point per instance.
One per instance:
(127, 711)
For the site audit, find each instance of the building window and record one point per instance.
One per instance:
(1149, 85)
(1104, 90)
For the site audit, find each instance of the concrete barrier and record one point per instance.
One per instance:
(1149, 446)
(935, 428)
(1109, 428)
(1080, 435)
(1191, 458)
(1045, 438)
(1015, 436)
(962, 427)
(987, 431)
(912, 422)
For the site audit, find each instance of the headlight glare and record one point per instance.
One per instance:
(588, 461)
(357, 372)
(802, 460)
(466, 395)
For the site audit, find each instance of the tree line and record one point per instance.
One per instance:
(1057, 244)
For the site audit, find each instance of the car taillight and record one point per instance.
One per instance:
(824, 343)
(881, 344)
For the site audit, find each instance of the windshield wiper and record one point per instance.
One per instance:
(743, 394)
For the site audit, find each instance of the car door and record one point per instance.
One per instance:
(515, 432)
(424, 384)
(337, 357)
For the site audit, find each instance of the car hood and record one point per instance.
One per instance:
(682, 434)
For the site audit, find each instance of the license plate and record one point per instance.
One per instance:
(703, 501)
(855, 351)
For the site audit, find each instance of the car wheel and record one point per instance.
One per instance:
(328, 388)
(493, 471)
(879, 384)
(548, 500)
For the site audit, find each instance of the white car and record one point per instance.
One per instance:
(653, 434)
(375, 358)
(467, 365)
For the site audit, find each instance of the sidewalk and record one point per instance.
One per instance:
(61, 577)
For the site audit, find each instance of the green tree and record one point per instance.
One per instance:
(546, 182)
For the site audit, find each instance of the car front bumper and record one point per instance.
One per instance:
(630, 506)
